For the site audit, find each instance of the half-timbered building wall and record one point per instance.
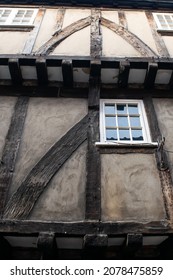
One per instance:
(61, 175)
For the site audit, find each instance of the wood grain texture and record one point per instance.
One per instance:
(11, 148)
(24, 199)
(122, 19)
(129, 37)
(51, 44)
(93, 189)
(83, 228)
(96, 36)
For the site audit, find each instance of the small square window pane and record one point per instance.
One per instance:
(133, 109)
(124, 134)
(110, 121)
(111, 134)
(121, 109)
(123, 121)
(135, 121)
(137, 135)
(109, 109)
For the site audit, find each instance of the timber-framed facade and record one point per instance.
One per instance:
(66, 192)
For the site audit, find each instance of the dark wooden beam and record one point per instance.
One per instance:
(124, 74)
(15, 71)
(94, 93)
(5, 249)
(95, 68)
(133, 245)
(67, 72)
(24, 199)
(94, 246)
(46, 244)
(41, 71)
(16, 227)
(93, 185)
(93, 188)
(11, 148)
(151, 75)
(30, 42)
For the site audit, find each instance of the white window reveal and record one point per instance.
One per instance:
(123, 121)
(17, 17)
(164, 21)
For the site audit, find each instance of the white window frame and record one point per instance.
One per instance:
(143, 120)
(12, 15)
(159, 26)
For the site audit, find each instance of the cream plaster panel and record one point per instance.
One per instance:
(73, 15)
(48, 27)
(131, 188)
(47, 120)
(114, 45)
(6, 110)
(111, 15)
(164, 111)
(138, 24)
(64, 198)
(76, 44)
(12, 42)
(169, 43)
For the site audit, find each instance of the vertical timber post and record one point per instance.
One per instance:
(93, 190)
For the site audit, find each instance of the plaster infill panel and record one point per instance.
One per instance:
(169, 43)
(77, 44)
(118, 47)
(12, 42)
(138, 24)
(164, 111)
(64, 198)
(46, 122)
(111, 15)
(131, 188)
(47, 28)
(73, 15)
(6, 110)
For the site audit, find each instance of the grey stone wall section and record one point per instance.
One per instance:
(47, 120)
(131, 188)
(64, 198)
(6, 110)
(164, 111)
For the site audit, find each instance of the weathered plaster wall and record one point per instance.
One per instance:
(138, 24)
(6, 110)
(111, 15)
(131, 188)
(164, 111)
(12, 42)
(73, 15)
(64, 198)
(76, 44)
(114, 45)
(169, 43)
(47, 120)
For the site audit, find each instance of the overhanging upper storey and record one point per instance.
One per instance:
(135, 4)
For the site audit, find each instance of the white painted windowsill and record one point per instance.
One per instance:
(122, 144)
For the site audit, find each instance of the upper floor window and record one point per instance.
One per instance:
(164, 21)
(17, 17)
(123, 121)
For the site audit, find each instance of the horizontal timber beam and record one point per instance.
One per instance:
(22, 227)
